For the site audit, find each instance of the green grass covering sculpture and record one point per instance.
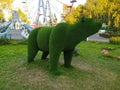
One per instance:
(61, 38)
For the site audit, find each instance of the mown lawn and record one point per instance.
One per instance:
(91, 69)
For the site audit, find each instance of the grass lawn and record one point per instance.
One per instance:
(91, 69)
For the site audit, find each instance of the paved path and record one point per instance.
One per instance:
(96, 37)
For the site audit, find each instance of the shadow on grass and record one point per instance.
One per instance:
(39, 64)
(72, 72)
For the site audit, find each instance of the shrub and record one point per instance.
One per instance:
(23, 42)
(115, 40)
(4, 41)
(19, 42)
(61, 38)
(105, 35)
(110, 33)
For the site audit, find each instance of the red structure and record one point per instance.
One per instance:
(68, 6)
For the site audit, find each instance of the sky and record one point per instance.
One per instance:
(56, 7)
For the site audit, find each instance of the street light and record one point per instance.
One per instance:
(72, 1)
(69, 7)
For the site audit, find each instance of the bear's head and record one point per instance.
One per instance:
(87, 26)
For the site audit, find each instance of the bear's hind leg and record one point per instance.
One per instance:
(44, 55)
(68, 58)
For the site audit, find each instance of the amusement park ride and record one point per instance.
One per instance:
(44, 10)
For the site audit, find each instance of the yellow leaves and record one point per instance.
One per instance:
(109, 22)
(104, 10)
(10, 18)
(117, 21)
(1, 14)
(74, 15)
(115, 40)
(23, 16)
(5, 3)
(69, 18)
(114, 15)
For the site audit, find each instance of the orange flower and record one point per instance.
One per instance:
(118, 57)
(104, 51)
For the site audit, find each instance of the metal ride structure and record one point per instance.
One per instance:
(15, 27)
(48, 10)
(4, 29)
(44, 10)
(39, 10)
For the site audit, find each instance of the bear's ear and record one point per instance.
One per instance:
(83, 19)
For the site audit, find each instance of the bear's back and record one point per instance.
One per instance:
(43, 38)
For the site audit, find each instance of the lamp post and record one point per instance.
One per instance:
(72, 1)
(70, 6)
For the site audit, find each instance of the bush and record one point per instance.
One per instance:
(105, 35)
(63, 37)
(19, 42)
(110, 33)
(23, 42)
(115, 40)
(4, 41)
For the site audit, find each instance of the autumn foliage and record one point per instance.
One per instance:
(106, 11)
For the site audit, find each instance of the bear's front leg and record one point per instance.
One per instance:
(32, 51)
(54, 57)
(32, 45)
(56, 45)
(68, 58)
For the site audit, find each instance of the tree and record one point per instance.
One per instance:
(23, 16)
(70, 16)
(106, 11)
(75, 14)
(1, 16)
(6, 3)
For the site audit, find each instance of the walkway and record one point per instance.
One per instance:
(96, 37)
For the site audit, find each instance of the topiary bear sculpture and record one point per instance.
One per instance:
(63, 37)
